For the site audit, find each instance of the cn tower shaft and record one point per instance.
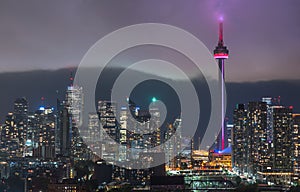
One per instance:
(220, 54)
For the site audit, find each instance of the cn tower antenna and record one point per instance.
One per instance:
(221, 43)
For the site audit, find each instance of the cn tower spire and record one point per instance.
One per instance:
(221, 51)
(221, 43)
(220, 54)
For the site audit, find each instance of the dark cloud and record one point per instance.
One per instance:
(262, 36)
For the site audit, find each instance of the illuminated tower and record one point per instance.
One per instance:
(74, 103)
(220, 54)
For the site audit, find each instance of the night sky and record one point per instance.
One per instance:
(263, 36)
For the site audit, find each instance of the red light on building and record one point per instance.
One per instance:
(221, 56)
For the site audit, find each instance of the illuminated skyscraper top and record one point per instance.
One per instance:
(221, 51)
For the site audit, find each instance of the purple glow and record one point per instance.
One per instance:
(221, 18)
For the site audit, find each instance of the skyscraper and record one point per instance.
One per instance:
(296, 147)
(282, 134)
(65, 132)
(93, 135)
(10, 138)
(14, 132)
(123, 121)
(21, 120)
(46, 125)
(173, 134)
(263, 141)
(74, 103)
(279, 168)
(220, 54)
(107, 115)
(257, 135)
(239, 139)
(21, 107)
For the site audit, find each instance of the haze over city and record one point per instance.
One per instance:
(263, 35)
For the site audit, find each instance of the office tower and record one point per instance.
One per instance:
(149, 123)
(124, 113)
(263, 141)
(155, 124)
(21, 120)
(10, 138)
(64, 132)
(220, 54)
(173, 134)
(123, 121)
(107, 116)
(93, 135)
(46, 124)
(239, 139)
(279, 169)
(282, 138)
(296, 147)
(14, 131)
(32, 134)
(250, 146)
(257, 136)
(74, 103)
(171, 147)
(270, 103)
(21, 107)
(59, 107)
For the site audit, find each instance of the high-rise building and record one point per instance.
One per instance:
(257, 136)
(74, 103)
(263, 141)
(155, 128)
(21, 120)
(123, 121)
(46, 124)
(107, 115)
(173, 134)
(93, 134)
(279, 169)
(270, 103)
(11, 141)
(14, 132)
(21, 107)
(282, 138)
(296, 147)
(239, 139)
(32, 134)
(221, 54)
(65, 132)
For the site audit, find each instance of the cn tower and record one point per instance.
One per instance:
(220, 54)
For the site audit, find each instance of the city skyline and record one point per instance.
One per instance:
(139, 96)
(265, 121)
